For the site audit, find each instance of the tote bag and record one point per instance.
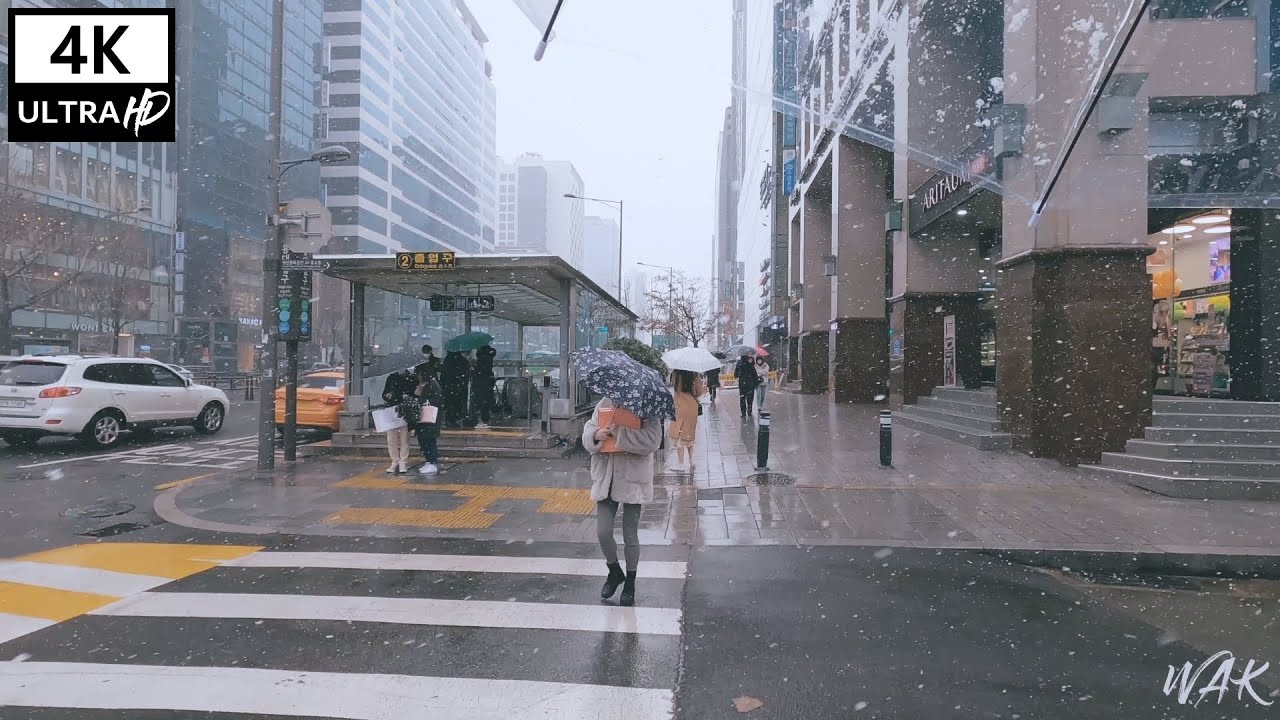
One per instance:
(387, 419)
(428, 414)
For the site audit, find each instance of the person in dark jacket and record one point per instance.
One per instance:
(430, 363)
(429, 393)
(455, 374)
(482, 384)
(713, 384)
(397, 391)
(748, 380)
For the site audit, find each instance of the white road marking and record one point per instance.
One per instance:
(78, 579)
(408, 611)
(306, 694)
(228, 454)
(450, 563)
(15, 626)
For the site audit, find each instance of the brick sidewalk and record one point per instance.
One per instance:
(938, 494)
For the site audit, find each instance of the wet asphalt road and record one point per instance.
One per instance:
(809, 633)
(44, 486)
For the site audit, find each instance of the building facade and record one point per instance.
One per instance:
(601, 245)
(919, 255)
(98, 221)
(534, 214)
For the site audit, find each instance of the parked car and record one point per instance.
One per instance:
(320, 397)
(99, 398)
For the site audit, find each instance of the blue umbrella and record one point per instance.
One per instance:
(629, 384)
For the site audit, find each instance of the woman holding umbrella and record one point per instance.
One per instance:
(748, 381)
(622, 435)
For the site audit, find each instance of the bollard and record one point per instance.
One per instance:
(886, 438)
(762, 442)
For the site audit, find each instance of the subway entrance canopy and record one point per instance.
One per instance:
(528, 291)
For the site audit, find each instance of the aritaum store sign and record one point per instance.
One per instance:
(948, 190)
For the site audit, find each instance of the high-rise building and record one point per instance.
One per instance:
(223, 164)
(600, 252)
(408, 89)
(534, 214)
(727, 301)
(97, 219)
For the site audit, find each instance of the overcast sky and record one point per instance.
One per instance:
(633, 94)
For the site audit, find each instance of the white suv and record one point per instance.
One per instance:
(98, 398)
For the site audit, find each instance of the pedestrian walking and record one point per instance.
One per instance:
(686, 388)
(482, 384)
(713, 384)
(748, 380)
(397, 391)
(429, 394)
(762, 372)
(621, 474)
(455, 374)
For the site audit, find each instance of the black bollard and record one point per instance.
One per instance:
(886, 438)
(762, 442)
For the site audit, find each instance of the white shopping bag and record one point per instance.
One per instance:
(428, 414)
(387, 419)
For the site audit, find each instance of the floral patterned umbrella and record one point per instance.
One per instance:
(629, 384)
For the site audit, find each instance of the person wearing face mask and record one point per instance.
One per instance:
(430, 364)
(762, 372)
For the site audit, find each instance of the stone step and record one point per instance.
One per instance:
(985, 396)
(986, 412)
(326, 449)
(1191, 468)
(1221, 488)
(983, 440)
(1203, 451)
(1213, 436)
(1195, 420)
(453, 439)
(1203, 406)
(954, 418)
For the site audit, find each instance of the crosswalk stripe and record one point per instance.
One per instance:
(158, 559)
(331, 695)
(662, 570)
(15, 626)
(407, 611)
(87, 580)
(47, 603)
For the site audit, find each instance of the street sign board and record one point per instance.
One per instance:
(425, 260)
(293, 307)
(305, 262)
(472, 303)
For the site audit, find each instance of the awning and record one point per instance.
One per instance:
(526, 288)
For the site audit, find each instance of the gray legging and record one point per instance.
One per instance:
(606, 513)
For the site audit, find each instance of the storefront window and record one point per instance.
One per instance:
(1190, 272)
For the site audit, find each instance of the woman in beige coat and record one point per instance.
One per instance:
(624, 477)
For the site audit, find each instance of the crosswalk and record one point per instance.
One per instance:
(88, 634)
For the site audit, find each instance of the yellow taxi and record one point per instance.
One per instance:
(320, 396)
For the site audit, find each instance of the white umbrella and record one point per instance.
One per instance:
(692, 359)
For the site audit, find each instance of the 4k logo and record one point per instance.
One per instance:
(93, 75)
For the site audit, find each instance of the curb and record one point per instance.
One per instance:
(1198, 562)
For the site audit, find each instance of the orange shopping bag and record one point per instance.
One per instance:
(620, 418)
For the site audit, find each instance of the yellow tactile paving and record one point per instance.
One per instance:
(473, 514)
(48, 603)
(155, 559)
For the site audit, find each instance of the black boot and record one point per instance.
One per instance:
(628, 597)
(612, 582)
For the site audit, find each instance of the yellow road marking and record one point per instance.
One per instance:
(156, 559)
(180, 483)
(472, 514)
(48, 603)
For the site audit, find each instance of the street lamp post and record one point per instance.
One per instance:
(272, 262)
(617, 203)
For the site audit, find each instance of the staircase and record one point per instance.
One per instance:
(1203, 449)
(493, 443)
(967, 416)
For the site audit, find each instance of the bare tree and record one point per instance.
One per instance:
(40, 255)
(121, 296)
(682, 308)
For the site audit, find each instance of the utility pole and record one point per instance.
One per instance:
(275, 249)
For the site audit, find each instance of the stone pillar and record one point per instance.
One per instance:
(917, 319)
(815, 304)
(1073, 366)
(1255, 305)
(859, 331)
